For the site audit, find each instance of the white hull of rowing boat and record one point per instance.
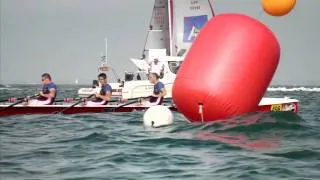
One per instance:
(263, 102)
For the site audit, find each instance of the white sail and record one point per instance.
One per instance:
(188, 18)
(158, 33)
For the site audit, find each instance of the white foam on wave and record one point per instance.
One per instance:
(11, 89)
(292, 89)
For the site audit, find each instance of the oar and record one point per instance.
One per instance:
(72, 99)
(64, 100)
(133, 100)
(5, 100)
(18, 102)
(137, 98)
(78, 102)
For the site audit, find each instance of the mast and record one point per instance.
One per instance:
(170, 8)
(103, 67)
(149, 28)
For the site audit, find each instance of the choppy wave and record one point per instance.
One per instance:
(117, 146)
(11, 89)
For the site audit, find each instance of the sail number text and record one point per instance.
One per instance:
(194, 5)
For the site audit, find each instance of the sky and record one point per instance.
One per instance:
(66, 37)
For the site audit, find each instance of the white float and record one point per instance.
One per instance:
(157, 116)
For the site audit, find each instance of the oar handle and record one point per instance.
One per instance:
(68, 100)
(132, 101)
(14, 99)
(20, 101)
(137, 98)
(78, 102)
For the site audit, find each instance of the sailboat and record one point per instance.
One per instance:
(173, 27)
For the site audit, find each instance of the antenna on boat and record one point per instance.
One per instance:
(170, 25)
(103, 68)
(106, 39)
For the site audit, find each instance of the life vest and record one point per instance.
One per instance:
(102, 93)
(45, 90)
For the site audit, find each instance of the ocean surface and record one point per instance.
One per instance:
(117, 145)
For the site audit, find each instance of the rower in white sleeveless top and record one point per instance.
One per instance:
(156, 67)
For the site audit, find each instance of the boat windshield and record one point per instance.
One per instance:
(181, 52)
(135, 76)
(174, 66)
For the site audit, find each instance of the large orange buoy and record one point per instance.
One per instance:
(227, 69)
(278, 7)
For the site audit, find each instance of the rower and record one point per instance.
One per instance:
(48, 93)
(104, 95)
(159, 90)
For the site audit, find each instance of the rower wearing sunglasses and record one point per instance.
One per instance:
(48, 93)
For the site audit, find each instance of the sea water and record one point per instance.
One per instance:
(279, 145)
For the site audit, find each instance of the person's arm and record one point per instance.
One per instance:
(106, 97)
(150, 64)
(163, 92)
(162, 71)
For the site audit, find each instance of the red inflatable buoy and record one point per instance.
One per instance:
(227, 70)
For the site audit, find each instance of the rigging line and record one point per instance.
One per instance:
(145, 42)
(210, 4)
(114, 73)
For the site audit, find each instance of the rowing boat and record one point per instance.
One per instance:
(266, 105)
(66, 108)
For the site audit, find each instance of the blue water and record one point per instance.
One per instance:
(117, 146)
